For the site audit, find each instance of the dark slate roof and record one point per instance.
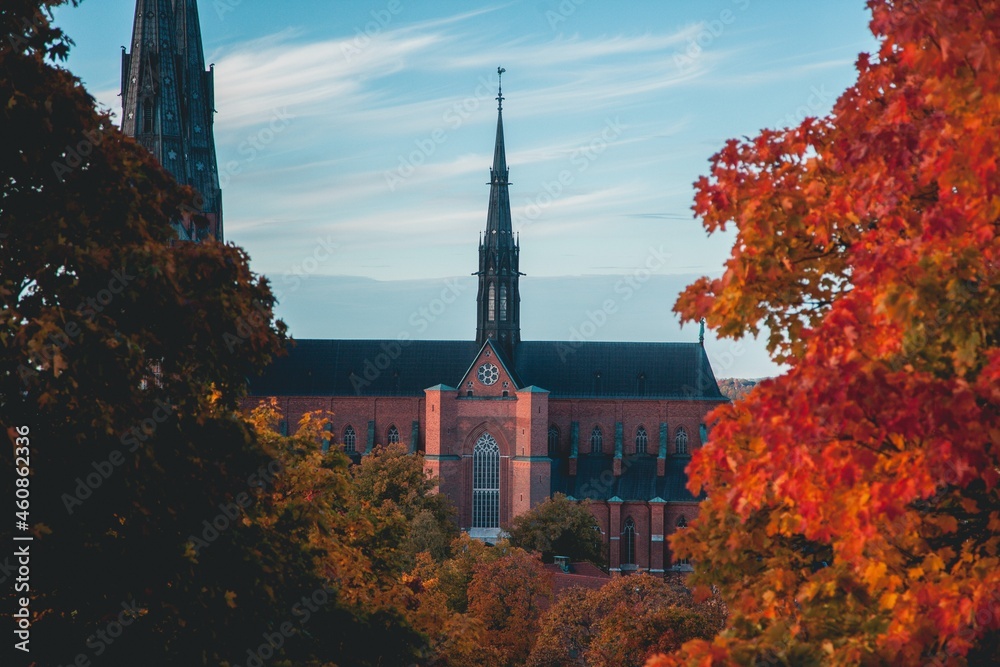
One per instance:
(365, 368)
(595, 479)
(570, 369)
(565, 369)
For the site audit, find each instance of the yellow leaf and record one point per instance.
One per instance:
(231, 599)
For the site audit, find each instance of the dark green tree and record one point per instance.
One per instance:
(559, 527)
(146, 484)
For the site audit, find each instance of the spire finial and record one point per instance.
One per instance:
(701, 332)
(500, 71)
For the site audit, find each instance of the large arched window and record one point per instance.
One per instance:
(641, 441)
(553, 440)
(628, 542)
(392, 436)
(596, 440)
(350, 440)
(503, 303)
(681, 441)
(492, 303)
(486, 483)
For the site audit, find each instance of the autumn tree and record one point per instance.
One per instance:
(507, 596)
(623, 623)
(559, 527)
(853, 513)
(148, 490)
(395, 490)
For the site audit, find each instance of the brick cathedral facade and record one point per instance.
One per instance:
(504, 423)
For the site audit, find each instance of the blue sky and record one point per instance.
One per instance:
(355, 139)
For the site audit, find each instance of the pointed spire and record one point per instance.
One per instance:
(499, 298)
(167, 100)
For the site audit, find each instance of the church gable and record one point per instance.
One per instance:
(489, 375)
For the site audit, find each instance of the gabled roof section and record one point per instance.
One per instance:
(490, 353)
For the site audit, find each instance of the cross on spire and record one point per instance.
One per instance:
(500, 71)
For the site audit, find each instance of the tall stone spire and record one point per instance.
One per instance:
(499, 300)
(167, 105)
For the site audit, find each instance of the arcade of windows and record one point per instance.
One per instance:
(491, 306)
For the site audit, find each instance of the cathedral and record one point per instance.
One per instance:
(501, 423)
(168, 105)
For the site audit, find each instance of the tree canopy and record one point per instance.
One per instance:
(559, 527)
(853, 514)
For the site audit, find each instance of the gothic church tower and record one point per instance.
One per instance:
(499, 301)
(168, 105)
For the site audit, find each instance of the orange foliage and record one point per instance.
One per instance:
(853, 514)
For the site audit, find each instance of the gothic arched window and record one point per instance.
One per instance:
(681, 524)
(553, 440)
(503, 303)
(392, 437)
(681, 441)
(641, 441)
(492, 305)
(596, 440)
(350, 440)
(486, 483)
(628, 542)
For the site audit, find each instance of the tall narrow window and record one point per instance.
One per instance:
(147, 115)
(553, 441)
(642, 384)
(641, 441)
(486, 483)
(503, 303)
(681, 441)
(596, 440)
(393, 435)
(681, 524)
(350, 440)
(492, 307)
(628, 543)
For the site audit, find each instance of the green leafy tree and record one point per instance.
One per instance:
(559, 527)
(400, 497)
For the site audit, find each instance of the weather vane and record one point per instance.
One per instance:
(500, 71)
